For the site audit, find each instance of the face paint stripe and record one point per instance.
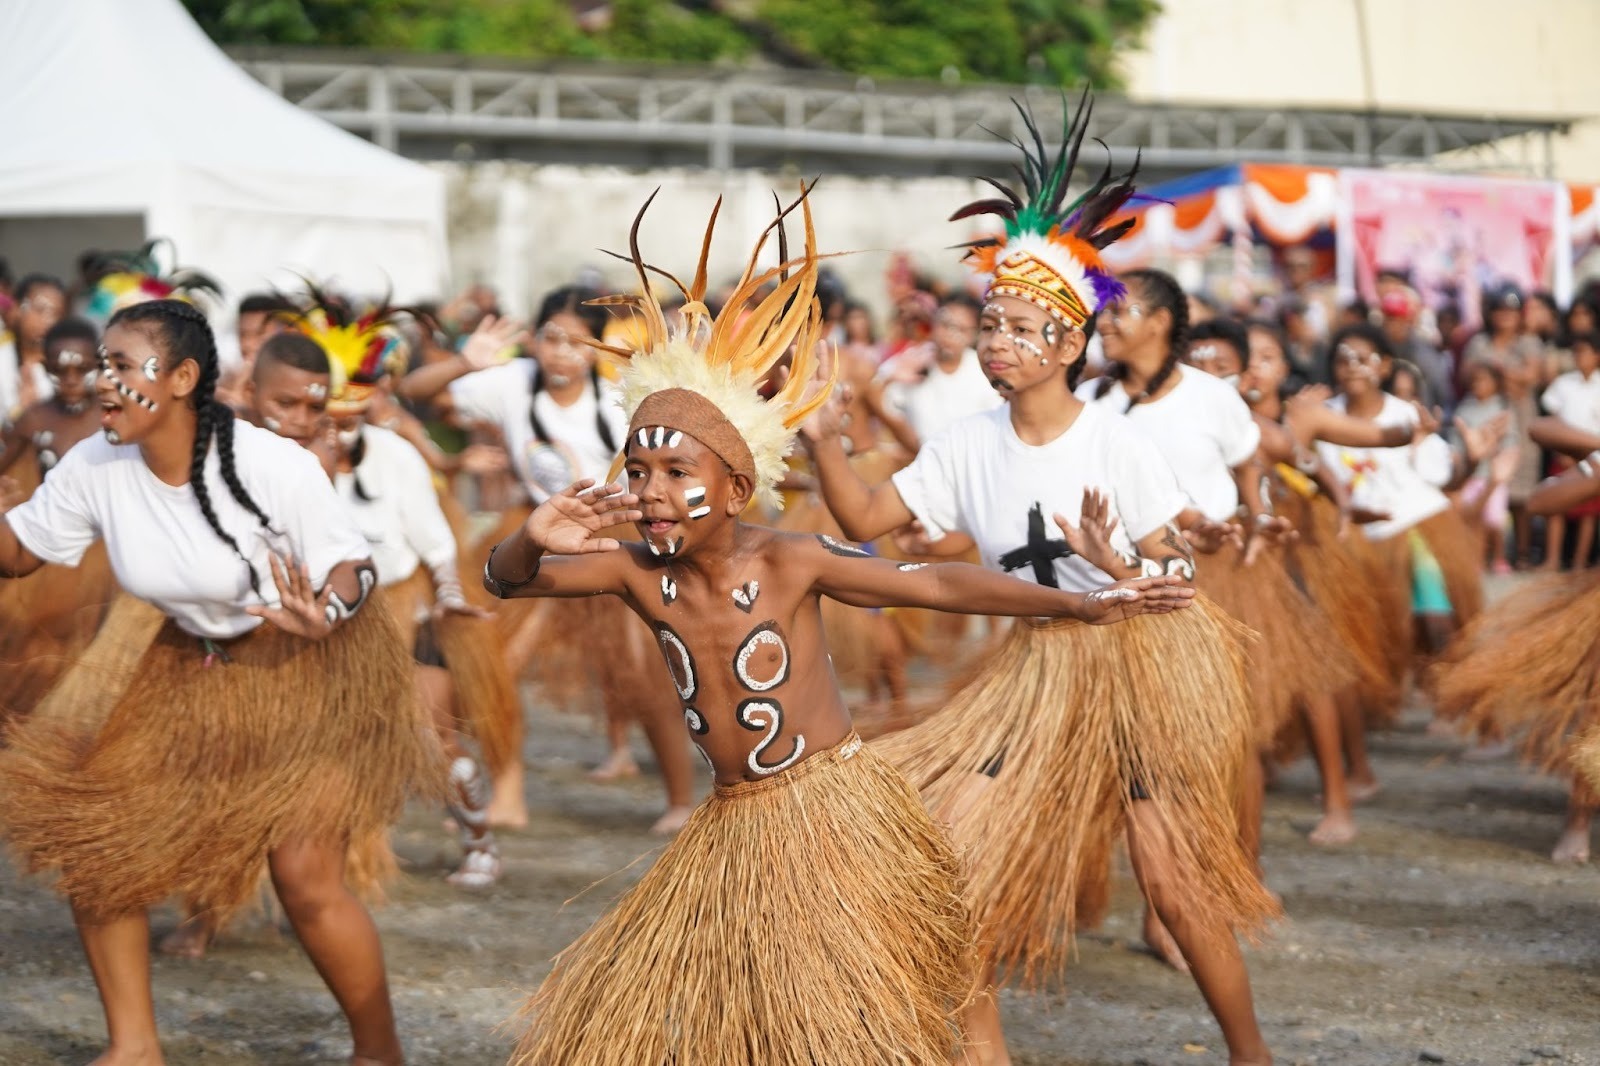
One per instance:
(700, 512)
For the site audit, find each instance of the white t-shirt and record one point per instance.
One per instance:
(161, 548)
(943, 397)
(11, 381)
(503, 395)
(401, 518)
(1400, 482)
(1575, 400)
(1203, 427)
(980, 478)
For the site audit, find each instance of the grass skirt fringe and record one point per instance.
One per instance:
(198, 772)
(1530, 665)
(47, 619)
(474, 654)
(1338, 582)
(812, 918)
(1291, 657)
(1081, 716)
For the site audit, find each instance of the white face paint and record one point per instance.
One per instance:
(151, 366)
(272, 423)
(696, 499)
(348, 438)
(316, 390)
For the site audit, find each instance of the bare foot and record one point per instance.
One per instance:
(1361, 790)
(189, 941)
(1487, 751)
(1161, 944)
(508, 814)
(669, 824)
(618, 764)
(508, 809)
(1573, 847)
(115, 1055)
(1336, 827)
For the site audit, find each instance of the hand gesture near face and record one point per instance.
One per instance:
(301, 611)
(1136, 596)
(567, 522)
(492, 337)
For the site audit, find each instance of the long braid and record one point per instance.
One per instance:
(1076, 368)
(1163, 291)
(358, 453)
(186, 334)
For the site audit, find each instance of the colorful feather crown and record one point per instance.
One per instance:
(362, 348)
(726, 360)
(1049, 254)
(127, 278)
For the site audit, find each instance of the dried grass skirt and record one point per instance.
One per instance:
(1082, 721)
(1291, 658)
(197, 772)
(1529, 665)
(812, 918)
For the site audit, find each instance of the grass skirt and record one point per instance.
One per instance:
(47, 619)
(1337, 581)
(1531, 666)
(1292, 656)
(198, 772)
(812, 918)
(1082, 716)
(474, 654)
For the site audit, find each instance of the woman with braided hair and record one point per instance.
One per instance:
(271, 720)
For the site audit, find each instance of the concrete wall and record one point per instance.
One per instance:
(1532, 57)
(526, 229)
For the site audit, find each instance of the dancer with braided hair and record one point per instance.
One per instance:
(1068, 734)
(271, 720)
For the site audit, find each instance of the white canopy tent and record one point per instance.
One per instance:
(124, 121)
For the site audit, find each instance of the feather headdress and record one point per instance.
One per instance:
(362, 348)
(1049, 253)
(127, 278)
(709, 375)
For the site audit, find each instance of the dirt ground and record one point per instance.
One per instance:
(1444, 934)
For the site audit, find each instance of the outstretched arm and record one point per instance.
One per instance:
(960, 588)
(1558, 495)
(564, 526)
(1550, 432)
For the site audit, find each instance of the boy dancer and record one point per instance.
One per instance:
(810, 911)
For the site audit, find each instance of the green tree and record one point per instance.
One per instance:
(1058, 42)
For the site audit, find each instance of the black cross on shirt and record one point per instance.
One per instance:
(1040, 552)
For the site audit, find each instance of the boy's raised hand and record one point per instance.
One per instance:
(1135, 596)
(567, 522)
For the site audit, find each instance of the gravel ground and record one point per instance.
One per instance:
(1444, 934)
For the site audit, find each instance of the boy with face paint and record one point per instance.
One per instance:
(809, 908)
(54, 425)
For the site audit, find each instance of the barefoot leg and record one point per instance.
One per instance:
(119, 957)
(1584, 545)
(342, 941)
(190, 940)
(1338, 825)
(1573, 847)
(508, 809)
(980, 1021)
(1362, 780)
(1252, 798)
(669, 742)
(1213, 954)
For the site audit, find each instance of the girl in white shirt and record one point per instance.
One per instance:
(1068, 734)
(1206, 432)
(271, 719)
(1424, 548)
(560, 423)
